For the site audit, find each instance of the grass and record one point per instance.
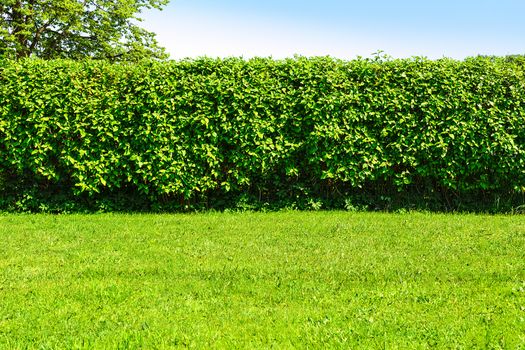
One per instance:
(260, 280)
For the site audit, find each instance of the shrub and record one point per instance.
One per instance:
(205, 132)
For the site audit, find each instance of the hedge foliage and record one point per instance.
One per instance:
(205, 130)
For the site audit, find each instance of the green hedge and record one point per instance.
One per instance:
(203, 133)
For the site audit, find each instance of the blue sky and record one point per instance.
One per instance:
(343, 29)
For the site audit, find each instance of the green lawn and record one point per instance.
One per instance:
(260, 280)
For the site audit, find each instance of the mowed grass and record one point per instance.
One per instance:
(261, 280)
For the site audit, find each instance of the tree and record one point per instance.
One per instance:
(99, 29)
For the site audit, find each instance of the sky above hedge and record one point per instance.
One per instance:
(344, 29)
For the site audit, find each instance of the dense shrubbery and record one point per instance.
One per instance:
(219, 133)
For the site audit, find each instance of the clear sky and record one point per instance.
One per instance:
(343, 29)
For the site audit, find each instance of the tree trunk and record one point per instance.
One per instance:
(19, 29)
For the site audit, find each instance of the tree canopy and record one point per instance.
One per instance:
(99, 29)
